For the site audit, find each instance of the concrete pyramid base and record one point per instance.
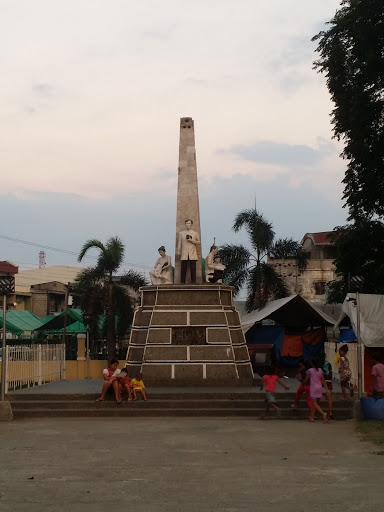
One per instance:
(189, 335)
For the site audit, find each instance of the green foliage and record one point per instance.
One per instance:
(352, 59)
(246, 268)
(359, 259)
(98, 292)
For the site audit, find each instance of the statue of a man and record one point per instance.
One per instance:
(214, 269)
(186, 249)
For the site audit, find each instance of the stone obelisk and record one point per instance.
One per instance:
(189, 333)
(187, 193)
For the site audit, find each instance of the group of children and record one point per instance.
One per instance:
(118, 380)
(314, 376)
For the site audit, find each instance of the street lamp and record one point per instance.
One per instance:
(87, 319)
(7, 286)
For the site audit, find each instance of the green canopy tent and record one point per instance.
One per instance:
(75, 323)
(20, 322)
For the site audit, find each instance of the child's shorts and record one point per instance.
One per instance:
(270, 397)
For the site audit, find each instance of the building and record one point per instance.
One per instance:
(310, 283)
(42, 290)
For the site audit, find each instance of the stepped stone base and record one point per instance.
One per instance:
(188, 335)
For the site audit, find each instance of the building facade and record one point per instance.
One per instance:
(310, 283)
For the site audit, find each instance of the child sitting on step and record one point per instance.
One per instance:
(125, 383)
(137, 385)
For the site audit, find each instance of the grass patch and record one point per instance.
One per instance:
(372, 431)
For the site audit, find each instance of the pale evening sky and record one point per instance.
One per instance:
(91, 96)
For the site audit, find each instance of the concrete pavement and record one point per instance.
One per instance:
(186, 464)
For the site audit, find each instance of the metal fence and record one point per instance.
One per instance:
(33, 365)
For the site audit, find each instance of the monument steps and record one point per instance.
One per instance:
(163, 404)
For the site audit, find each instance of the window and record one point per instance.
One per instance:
(320, 287)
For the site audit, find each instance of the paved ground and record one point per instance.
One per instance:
(186, 464)
(95, 385)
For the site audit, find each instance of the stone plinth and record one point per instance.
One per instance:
(188, 335)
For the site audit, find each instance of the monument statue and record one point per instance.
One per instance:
(188, 335)
(214, 269)
(186, 249)
(162, 271)
(187, 203)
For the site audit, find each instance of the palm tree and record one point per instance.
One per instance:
(250, 269)
(97, 290)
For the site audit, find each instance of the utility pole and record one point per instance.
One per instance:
(67, 289)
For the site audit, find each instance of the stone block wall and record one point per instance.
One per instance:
(188, 335)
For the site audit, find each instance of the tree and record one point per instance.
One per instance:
(250, 269)
(97, 290)
(352, 59)
(359, 259)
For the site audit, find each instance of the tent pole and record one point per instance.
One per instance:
(359, 351)
(66, 312)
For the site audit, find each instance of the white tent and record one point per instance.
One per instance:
(291, 311)
(371, 309)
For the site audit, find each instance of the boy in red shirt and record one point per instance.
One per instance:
(270, 380)
(125, 383)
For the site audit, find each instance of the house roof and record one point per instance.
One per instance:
(7, 266)
(321, 238)
(60, 273)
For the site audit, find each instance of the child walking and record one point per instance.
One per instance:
(138, 386)
(315, 376)
(303, 388)
(270, 380)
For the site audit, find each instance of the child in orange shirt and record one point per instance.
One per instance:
(138, 386)
(270, 380)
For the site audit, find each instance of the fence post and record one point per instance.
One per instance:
(5, 363)
(39, 365)
(62, 376)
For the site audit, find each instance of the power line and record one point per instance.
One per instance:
(65, 251)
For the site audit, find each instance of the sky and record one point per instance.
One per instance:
(91, 94)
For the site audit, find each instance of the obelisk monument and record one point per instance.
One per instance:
(187, 194)
(188, 332)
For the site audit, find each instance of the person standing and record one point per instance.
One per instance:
(378, 374)
(345, 372)
(186, 249)
(315, 377)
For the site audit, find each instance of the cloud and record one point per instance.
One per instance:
(147, 219)
(43, 89)
(287, 155)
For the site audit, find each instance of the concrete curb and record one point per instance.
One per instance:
(6, 413)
